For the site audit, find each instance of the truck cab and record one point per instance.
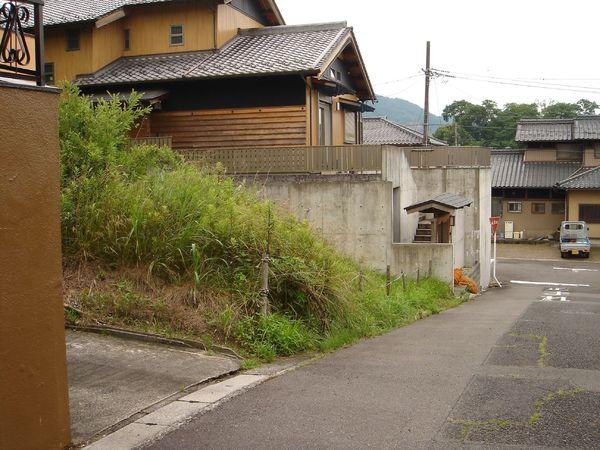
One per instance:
(574, 239)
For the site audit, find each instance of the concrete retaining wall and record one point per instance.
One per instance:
(413, 258)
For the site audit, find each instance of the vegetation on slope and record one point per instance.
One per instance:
(153, 243)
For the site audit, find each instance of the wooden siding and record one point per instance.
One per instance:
(149, 26)
(246, 127)
(67, 65)
(108, 44)
(229, 20)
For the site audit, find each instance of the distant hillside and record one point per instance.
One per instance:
(402, 112)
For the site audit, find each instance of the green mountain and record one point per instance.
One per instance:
(402, 112)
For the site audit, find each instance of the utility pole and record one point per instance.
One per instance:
(426, 108)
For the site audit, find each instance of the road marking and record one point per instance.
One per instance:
(551, 298)
(575, 270)
(547, 283)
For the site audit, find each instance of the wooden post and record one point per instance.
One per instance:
(403, 281)
(418, 274)
(264, 292)
(360, 280)
(388, 280)
(429, 272)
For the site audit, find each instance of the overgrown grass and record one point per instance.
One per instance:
(145, 208)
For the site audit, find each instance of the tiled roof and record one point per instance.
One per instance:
(585, 179)
(58, 12)
(564, 130)
(67, 11)
(509, 171)
(261, 51)
(447, 199)
(379, 130)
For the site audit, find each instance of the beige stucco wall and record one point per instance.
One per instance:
(33, 377)
(576, 198)
(533, 225)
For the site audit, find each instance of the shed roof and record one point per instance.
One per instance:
(559, 130)
(277, 50)
(381, 131)
(588, 178)
(446, 200)
(58, 12)
(510, 171)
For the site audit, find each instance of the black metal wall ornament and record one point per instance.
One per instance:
(13, 46)
(15, 56)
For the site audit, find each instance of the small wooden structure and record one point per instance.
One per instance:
(443, 207)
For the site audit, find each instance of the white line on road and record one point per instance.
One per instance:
(575, 270)
(544, 283)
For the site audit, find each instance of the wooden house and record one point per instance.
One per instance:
(218, 73)
(555, 177)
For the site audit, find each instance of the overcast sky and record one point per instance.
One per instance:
(539, 41)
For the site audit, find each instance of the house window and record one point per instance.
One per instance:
(538, 208)
(589, 213)
(497, 209)
(176, 35)
(324, 123)
(597, 151)
(49, 73)
(350, 127)
(127, 39)
(569, 153)
(558, 209)
(73, 40)
(515, 207)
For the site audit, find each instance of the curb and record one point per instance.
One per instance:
(153, 338)
(151, 424)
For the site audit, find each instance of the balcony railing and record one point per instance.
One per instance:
(16, 60)
(334, 159)
(161, 141)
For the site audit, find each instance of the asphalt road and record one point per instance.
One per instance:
(517, 368)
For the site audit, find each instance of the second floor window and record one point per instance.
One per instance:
(176, 35)
(49, 73)
(126, 39)
(73, 38)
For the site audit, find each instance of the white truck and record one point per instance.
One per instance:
(574, 239)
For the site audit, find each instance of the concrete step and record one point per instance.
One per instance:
(423, 233)
(422, 239)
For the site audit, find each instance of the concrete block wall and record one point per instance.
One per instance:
(413, 259)
(355, 213)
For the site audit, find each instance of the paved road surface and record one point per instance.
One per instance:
(518, 368)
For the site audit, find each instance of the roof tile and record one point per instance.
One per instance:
(380, 131)
(509, 171)
(277, 50)
(585, 179)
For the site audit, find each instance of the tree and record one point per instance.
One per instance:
(587, 107)
(560, 110)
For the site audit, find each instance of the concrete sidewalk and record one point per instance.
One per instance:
(112, 379)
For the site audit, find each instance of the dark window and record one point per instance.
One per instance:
(565, 152)
(597, 151)
(497, 207)
(350, 127)
(515, 207)
(558, 208)
(589, 213)
(538, 208)
(126, 39)
(176, 35)
(49, 71)
(73, 38)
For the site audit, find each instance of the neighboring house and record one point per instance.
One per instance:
(537, 187)
(583, 197)
(380, 130)
(219, 73)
